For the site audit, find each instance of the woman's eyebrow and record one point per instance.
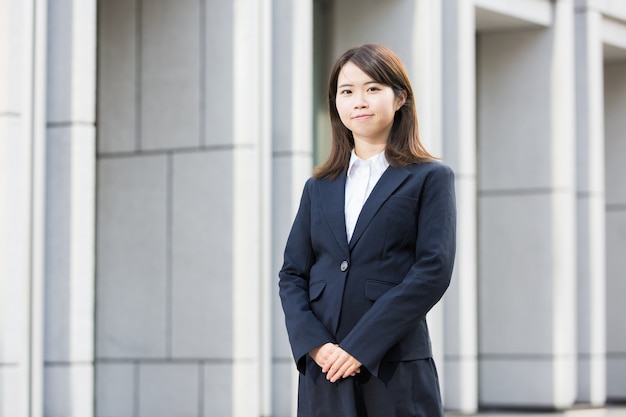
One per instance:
(351, 85)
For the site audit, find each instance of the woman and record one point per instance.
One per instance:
(370, 252)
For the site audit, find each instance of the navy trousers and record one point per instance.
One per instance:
(402, 389)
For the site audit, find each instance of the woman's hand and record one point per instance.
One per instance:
(335, 362)
(340, 364)
(321, 354)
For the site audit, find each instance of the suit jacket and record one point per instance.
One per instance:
(370, 295)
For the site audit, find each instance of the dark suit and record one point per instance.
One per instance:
(371, 296)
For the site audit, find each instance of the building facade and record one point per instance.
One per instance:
(152, 156)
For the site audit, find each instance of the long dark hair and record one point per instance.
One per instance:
(404, 146)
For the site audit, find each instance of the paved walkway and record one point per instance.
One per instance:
(609, 411)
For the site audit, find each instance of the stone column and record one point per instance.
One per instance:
(615, 152)
(292, 148)
(70, 213)
(425, 76)
(590, 208)
(459, 150)
(22, 205)
(614, 37)
(527, 215)
(252, 194)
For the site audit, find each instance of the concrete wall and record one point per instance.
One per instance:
(184, 184)
(526, 215)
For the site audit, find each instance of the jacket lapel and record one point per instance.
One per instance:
(332, 196)
(387, 184)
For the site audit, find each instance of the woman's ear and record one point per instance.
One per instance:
(400, 100)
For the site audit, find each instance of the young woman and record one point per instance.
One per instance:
(370, 252)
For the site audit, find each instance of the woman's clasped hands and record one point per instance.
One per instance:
(335, 362)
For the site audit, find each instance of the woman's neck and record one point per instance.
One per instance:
(366, 150)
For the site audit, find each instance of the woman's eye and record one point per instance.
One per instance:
(373, 89)
(344, 92)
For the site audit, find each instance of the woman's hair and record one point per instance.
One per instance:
(404, 146)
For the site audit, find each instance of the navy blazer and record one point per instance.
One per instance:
(371, 295)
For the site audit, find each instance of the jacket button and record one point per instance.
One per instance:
(344, 266)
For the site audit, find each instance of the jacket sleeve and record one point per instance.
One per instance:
(304, 329)
(396, 312)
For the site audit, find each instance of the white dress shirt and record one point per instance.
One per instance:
(362, 177)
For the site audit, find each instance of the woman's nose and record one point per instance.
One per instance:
(359, 101)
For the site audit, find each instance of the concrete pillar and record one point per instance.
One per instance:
(615, 152)
(252, 177)
(70, 213)
(292, 147)
(527, 215)
(459, 150)
(425, 76)
(22, 205)
(590, 210)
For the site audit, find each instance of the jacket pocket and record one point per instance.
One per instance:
(374, 289)
(404, 201)
(316, 289)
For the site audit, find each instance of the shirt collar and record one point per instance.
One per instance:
(377, 162)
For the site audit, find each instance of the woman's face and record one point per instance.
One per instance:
(366, 108)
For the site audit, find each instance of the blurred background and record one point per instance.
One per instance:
(152, 156)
